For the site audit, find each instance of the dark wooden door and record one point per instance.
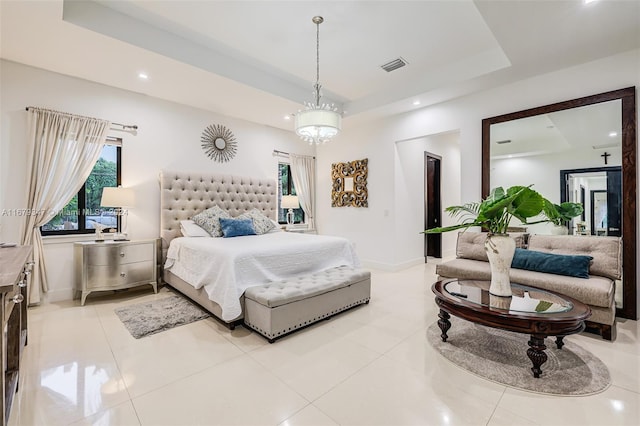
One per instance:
(433, 207)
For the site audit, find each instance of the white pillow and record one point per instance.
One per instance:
(190, 229)
(261, 223)
(276, 227)
(209, 220)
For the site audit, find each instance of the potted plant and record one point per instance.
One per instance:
(561, 214)
(494, 214)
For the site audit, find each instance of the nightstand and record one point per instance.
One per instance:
(114, 265)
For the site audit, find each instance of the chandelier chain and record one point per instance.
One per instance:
(317, 63)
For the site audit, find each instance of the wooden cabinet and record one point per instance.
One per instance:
(15, 268)
(102, 266)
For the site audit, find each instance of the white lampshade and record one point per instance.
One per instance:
(290, 202)
(117, 197)
(317, 125)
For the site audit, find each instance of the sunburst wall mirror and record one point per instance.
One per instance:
(219, 143)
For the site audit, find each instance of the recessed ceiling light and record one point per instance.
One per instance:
(613, 134)
(287, 117)
(416, 102)
(143, 76)
(589, 1)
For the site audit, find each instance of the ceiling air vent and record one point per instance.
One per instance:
(503, 142)
(394, 65)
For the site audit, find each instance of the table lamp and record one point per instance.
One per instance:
(119, 198)
(290, 202)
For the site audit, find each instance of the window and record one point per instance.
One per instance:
(84, 210)
(286, 188)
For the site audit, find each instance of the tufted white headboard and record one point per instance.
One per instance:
(184, 194)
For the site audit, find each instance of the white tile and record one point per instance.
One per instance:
(68, 392)
(614, 406)
(236, 392)
(156, 360)
(120, 415)
(309, 416)
(504, 417)
(385, 393)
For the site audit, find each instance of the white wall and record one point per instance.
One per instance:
(374, 229)
(409, 192)
(168, 138)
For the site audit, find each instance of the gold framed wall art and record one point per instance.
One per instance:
(349, 184)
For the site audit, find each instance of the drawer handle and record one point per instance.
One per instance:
(22, 283)
(18, 298)
(121, 254)
(122, 274)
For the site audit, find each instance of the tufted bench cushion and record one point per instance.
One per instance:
(279, 307)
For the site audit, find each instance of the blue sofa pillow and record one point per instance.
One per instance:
(561, 264)
(236, 227)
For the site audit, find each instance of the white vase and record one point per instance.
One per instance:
(559, 230)
(500, 250)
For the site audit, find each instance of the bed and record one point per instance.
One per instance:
(215, 272)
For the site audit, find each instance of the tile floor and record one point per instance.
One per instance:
(369, 366)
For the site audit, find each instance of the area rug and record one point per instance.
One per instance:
(144, 319)
(501, 356)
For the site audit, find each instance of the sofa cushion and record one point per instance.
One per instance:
(471, 244)
(572, 265)
(595, 291)
(606, 251)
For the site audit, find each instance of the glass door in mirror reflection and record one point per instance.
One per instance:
(603, 207)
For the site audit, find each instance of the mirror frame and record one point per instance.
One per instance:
(629, 178)
(357, 171)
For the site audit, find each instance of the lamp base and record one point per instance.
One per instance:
(120, 236)
(290, 217)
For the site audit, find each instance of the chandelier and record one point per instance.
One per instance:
(317, 123)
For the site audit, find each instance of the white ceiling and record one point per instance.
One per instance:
(591, 127)
(256, 59)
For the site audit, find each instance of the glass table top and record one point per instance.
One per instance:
(524, 299)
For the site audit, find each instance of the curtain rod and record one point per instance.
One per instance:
(124, 126)
(286, 154)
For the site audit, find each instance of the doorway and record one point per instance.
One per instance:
(432, 205)
(603, 211)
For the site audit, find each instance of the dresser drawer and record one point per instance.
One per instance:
(120, 276)
(113, 254)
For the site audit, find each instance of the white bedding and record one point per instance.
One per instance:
(226, 267)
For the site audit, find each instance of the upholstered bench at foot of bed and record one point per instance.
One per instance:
(280, 307)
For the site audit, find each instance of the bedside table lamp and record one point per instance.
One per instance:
(290, 202)
(119, 198)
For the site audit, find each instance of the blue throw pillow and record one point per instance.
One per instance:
(561, 264)
(236, 227)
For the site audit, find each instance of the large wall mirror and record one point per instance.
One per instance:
(581, 150)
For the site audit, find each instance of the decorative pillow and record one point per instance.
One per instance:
(236, 227)
(190, 229)
(210, 220)
(261, 223)
(561, 264)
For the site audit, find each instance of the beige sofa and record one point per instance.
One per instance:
(597, 291)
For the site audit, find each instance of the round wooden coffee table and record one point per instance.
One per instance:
(537, 312)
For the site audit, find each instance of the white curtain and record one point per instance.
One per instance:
(303, 170)
(62, 150)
